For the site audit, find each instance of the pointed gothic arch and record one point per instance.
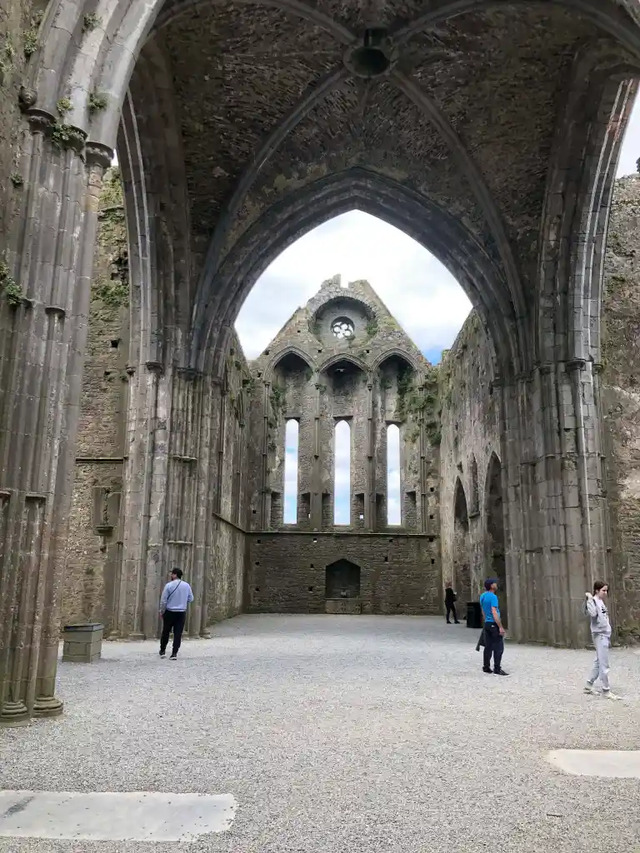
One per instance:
(494, 526)
(461, 544)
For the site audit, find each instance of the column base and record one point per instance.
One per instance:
(14, 714)
(47, 706)
(136, 637)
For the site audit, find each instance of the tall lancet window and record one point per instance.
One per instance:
(342, 474)
(394, 503)
(291, 472)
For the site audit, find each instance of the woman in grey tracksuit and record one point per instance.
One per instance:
(596, 609)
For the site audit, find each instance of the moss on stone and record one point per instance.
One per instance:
(113, 289)
(90, 21)
(10, 289)
(97, 102)
(63, 106)
(65, 136)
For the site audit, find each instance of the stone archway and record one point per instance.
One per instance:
(495, 539)
(250, 155)
(342, 587)
(461, 546)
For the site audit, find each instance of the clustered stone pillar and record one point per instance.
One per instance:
(316, 484)
(555, 519)
(168, 494)
(51, 256)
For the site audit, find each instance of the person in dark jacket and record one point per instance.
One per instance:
(450, 603)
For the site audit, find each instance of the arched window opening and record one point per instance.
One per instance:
(359, 246)
(342, 580)
(495, 531)
(461, 545)
(342, 474)
(291, 437)
(394, 507)
(628, 158)
(474, 508)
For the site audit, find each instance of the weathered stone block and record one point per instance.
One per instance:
(82, 643)
(350, 606)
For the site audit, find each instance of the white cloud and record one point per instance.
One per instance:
(417, 289)
(291, 473)
(423, 296)
(342, 480)
(394, 512)
(631, 145)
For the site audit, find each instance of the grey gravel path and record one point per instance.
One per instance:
(341, 735)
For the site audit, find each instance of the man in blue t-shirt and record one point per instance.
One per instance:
(493, 630)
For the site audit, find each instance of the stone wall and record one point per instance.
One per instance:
(370, 377)
(398, 573)
(469, 449)
(95, 534)
(621, 399)
(451, 464)
(226, 571)
(470, 525)
(19, 22)
(93, 578)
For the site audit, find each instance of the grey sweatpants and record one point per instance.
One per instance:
(601, 663)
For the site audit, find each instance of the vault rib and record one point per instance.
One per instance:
(294, 7)
(615, 22)
(314, 95)
(480, 190)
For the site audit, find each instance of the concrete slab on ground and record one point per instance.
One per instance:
(113, 816)
(606, 763)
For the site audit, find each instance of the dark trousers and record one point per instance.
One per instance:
(172, 620)
(493, 645)
(451, 608)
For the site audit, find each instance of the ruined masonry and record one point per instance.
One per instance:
(488, 132)
(341, 358)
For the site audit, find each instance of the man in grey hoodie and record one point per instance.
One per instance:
(596, 609)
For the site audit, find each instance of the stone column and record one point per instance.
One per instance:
(153, 552)
(206, 501)
(181, 485)
(423, 510)
(370, 496)
(555, 525)
(265, 500)
(316, 484)
(148, 386)
(50, 257)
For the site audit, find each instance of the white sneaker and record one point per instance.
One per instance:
(589, 688)
(609, 695)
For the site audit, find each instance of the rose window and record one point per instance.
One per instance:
(343, 329)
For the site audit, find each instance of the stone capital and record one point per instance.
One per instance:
(190, 374)
(40, 121)
(98, 154)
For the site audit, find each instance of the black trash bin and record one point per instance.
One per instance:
(474, 614)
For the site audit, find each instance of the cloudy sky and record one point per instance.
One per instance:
(423, 296)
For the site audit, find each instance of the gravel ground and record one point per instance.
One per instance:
(343, 734)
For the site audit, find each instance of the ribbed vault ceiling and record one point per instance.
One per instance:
(465, 116)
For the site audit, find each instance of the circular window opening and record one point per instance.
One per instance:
(343, 328)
